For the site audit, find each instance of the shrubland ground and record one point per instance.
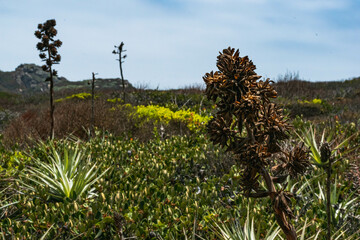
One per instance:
(154, 173)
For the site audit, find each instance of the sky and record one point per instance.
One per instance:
(173, 43)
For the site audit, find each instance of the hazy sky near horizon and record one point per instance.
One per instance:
(173, 43)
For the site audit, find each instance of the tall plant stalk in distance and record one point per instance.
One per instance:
(249, 125)
(92, 105)
(119, 50)
(49, 54)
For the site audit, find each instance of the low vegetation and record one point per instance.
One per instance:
(168, 187)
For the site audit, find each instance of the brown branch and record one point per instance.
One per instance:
(280, 214)
(250, 133)
(279, 179)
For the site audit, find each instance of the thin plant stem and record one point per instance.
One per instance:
(326, 158)
(52, 107)
(328, 200)
(92, 106)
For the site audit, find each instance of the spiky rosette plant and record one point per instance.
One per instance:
(248, 124)
(49, 54)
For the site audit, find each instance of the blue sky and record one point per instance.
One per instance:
(173, 43)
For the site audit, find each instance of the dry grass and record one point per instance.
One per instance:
(73, 117)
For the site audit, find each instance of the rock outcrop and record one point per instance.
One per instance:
(30, 78)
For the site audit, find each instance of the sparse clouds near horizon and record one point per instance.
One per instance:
(172, 43)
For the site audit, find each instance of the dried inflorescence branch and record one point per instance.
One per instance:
(248, 124)
(48, 46)
(294, 162)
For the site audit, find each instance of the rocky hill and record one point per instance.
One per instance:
(27, 78)
(30, 78)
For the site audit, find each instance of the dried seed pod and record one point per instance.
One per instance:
(325, 152)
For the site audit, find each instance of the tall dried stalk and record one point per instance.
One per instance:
(248, 124)
(92, 121)
(120, 50)
(49, 54)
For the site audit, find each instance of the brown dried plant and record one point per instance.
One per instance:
(119, 50)
(250, 126)
(49, 54)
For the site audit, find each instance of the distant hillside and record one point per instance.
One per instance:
(27, 78)
(30, 78)
(296, 89)
(100, 83)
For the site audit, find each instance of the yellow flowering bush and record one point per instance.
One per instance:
(82, 96)
(164, 115)
(314, 101)
(10, 163)
(154, 112)
(114, 100)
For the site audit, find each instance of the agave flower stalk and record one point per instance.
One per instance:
(92, 121)
(49, 54)
(249, 125)
(119, 50)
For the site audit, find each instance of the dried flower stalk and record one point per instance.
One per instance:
(49, 54)
(248, 124)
